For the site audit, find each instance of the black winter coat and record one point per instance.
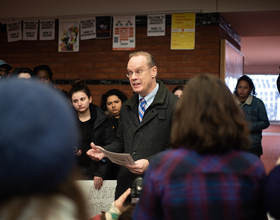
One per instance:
(102, 134)
(143, 140)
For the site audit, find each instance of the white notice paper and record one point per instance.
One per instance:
(118, 158)
(47, 29)
(124, 32)
(14, 31)
(30, 30)
(156, 25)
(87, 28)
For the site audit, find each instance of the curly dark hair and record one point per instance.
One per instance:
(111, 92)
(249, 81)
(43, 67)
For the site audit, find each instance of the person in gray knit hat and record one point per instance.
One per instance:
(37, 137)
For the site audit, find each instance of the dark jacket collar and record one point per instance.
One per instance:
(100, 115)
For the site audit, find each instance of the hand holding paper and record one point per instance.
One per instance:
(139, 167)
(95, 153)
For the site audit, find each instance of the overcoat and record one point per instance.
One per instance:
(146, 139)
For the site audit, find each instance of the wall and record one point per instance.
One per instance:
(104, 69)
(11, 9)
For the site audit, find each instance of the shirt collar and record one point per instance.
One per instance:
(247, 102)
(150, 97)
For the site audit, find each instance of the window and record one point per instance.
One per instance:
(266, 90)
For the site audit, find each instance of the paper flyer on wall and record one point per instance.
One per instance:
(30, 30)
(183, 31)
(97, 201)
(14, 32)
(68, 37)
(156, 25)
(103, 27)
(124, 32)
(88, 28)
(47, 29)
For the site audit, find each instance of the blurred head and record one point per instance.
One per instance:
(244, 87)
(127, 212)
(80, 96)
(112, 102)
(178, 91)
(22, 73)
(37, 141)
(207, 118)
(142, 72)
(43, 74)
(4, 68)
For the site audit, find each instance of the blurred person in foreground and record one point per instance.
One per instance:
(272, 186)
(37, 138)
(208, 174)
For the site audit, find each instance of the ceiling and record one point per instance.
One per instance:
(260, 39)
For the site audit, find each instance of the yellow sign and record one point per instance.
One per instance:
(183, 31)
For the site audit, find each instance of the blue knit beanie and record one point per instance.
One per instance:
(38, 133)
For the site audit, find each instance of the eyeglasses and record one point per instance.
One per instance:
(137, 73)
(6, 72)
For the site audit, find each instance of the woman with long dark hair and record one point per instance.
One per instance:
(94, 127)
(254, 111)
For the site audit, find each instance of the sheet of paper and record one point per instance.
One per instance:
(30, 30)
(47, 29)
(14, 31)
(118, 158)
(124, 32)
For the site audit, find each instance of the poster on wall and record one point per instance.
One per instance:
(68, 37)
(124, 32)
(87, 28)
(98, 200)
(156, 25)
(47, 29)
(103, 27)
(14, 31)
(183, 31)
(30, 30)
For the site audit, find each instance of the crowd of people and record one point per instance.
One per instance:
(197, 148)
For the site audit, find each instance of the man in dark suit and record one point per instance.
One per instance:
(145, 120)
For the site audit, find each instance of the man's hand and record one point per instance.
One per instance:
(98, 182)
(94, 153)
(139, 167)
(119, 202)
